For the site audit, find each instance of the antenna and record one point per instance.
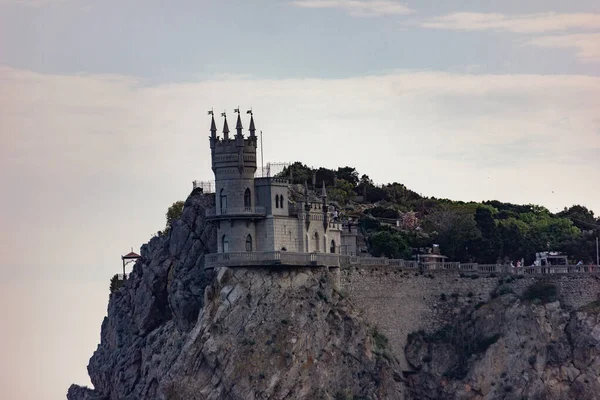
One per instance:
(262, 152)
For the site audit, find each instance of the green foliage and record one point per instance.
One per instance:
(173, 213)
(542, 291)
(342, 193)
(380, 341)
(383, 212)
(115, 283)
(389, 244)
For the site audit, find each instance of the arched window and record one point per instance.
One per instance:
(248, 243)
(276, 201)
(316, 241)
(223, 201)
(281, 200)
(247, 198)
(332, 246)
(225, 243)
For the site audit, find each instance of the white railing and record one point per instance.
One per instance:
(266, 258)
(233, 211)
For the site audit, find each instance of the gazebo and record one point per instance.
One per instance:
(129, 258)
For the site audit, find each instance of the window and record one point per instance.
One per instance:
(333, 246)
(248, 243)
(223, 201)
(281, 200)
(316, 241)
(276, 201)
(225, 243)
(247, 198)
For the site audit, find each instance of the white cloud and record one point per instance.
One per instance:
(519, 23)
(358, 8)
(587, 45)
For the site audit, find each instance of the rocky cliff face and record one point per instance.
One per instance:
(510, 349)
(174, 331)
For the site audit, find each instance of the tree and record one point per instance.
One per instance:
(389, 244)
(454, 229)
(488, 247)
(300, 173)
(349, 174)
(580, 216)
(174, 212)
(342, 193)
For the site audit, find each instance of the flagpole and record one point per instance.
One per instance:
(262, 151)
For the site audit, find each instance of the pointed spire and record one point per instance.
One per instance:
(323, 192)
(252, 128)
(238, 125)
(213, 126)
(225, 127)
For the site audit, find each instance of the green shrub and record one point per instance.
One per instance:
(542, 291)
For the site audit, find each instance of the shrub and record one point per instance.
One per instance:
(379, 339)
(542, 291)
(443, 297)
(115, 283)
(504, 289)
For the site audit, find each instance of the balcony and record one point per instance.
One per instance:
(271, 258)
(236, 212)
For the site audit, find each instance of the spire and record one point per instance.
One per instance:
(323, 192)
(238, 125)
(225, 127)
(213, 126)
(252, 128)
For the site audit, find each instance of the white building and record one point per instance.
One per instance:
(256, 214)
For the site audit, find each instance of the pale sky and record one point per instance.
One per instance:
(103, 125)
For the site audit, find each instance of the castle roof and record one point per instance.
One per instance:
(213, 126)
(238, 125)
(225, 126)
(252, 128)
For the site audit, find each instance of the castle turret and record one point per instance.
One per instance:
(225, 128)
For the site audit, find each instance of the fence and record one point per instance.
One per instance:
(256, 210)
(267, 258)
(206, 186)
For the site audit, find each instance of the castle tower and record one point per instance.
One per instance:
(234, 166)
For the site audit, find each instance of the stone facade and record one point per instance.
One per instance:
(400, 301)
(256, 214)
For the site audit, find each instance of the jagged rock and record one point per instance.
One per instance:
(511, 349)
(174, 331)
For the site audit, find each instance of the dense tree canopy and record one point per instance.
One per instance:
(485, 232)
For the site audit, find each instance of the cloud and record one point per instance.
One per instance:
(587, 45)
(358, 8)
(89, 163)
(519, 23)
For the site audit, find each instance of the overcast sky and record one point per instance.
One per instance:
(103, 125)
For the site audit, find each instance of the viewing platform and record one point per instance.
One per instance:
(288, 258)
(255, 212)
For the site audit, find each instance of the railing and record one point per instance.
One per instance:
(234, 211)
(267, 258)
(206, 186)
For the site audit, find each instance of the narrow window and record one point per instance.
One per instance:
(281, 201)
(316, 241)
(333, 246)
(276, 201)
(247, 199)
(223, 201)
(248, 243)
(225, 241)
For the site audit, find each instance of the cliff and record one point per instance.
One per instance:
(510, 348)
(174, 331)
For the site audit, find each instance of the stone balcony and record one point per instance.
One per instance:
(255, 212)
(270, 258)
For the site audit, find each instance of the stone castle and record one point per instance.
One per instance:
(255, 215)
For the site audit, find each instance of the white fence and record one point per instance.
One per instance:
(267, 258)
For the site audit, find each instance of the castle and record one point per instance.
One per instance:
(256, 215)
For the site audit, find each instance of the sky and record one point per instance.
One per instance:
(103, 125)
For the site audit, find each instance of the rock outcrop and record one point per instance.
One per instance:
(510, 349)
(175, 331)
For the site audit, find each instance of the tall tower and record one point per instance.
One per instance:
(234, 165)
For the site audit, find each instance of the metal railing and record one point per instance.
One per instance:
(232, 211)
(206, 186)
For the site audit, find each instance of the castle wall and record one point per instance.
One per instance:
(237, 232)
(399, 302)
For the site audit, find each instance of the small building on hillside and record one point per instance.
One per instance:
(431, 255)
